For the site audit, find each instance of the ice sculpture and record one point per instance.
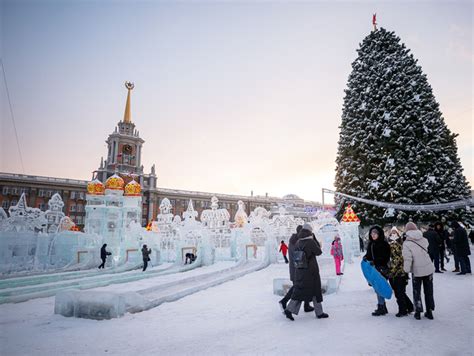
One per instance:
(55, 214)
(241, 217)
(23, 218)
(285, 225)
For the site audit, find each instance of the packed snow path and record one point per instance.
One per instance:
(242, 317)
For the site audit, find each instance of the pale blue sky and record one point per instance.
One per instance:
(229, 96)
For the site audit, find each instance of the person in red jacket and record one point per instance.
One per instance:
(284, 250)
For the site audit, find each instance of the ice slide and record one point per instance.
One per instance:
(113, 304)
(15, 290)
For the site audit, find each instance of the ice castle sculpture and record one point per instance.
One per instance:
(111, 211)
(285, 225)
(216, 222)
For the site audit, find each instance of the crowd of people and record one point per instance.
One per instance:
(400, 256)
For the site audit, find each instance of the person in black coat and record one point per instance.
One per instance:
(444, 243)
(378, 253)
(103, 255)
(434, 244)
(291, 248)
(146, 256)
(307, 281)
(462, 247)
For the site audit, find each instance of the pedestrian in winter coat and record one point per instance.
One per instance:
(284, 250)
(434, 244)
(471, 235)
(397, 277)
(103, 255)
(378, 253)
(417, 261)
(337, 254)
(291, 248)
(444, 243)
(307, 283)
(146, 256)
(462, 247)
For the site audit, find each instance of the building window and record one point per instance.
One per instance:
(73, 195)
(24, 190)
(5, 190)
(49, 193)
(72, 207)
(5, 204)
(14, 191)
(14, 202)
(79, 208)
(79, 220)
(41, 193)
(81, 195)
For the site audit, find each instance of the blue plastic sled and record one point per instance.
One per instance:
(376, 280)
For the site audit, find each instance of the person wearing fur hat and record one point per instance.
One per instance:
(378, 253)
(397, 277)
(307, 282)
(417, 261)
(336, 252)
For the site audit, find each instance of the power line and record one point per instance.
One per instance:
(12, 116)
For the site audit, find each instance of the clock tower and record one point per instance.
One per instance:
(125, 151)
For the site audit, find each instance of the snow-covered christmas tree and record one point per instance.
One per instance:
(394, 145)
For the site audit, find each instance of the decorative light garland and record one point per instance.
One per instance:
(458, 204)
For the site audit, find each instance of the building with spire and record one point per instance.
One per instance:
(123, 167)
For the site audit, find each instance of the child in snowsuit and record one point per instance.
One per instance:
(336, 252)
(284, 250)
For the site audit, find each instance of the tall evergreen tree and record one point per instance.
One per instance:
(394, 145)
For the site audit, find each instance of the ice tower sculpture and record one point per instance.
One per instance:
(241, 217)
(349, 228)
(109, 212)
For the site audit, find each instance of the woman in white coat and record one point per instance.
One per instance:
(417, 261)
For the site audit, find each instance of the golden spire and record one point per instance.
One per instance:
(127, 117)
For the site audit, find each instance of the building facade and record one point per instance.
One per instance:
(124, 159)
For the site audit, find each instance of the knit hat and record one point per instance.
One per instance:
(308, 227)
(410, 226)
(395, 230)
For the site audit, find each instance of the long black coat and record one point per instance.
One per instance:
(378, 251)
(461, 242)
(291, 249)
(434, 241)
(307, 282)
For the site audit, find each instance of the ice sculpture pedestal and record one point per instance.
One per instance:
(90, 304)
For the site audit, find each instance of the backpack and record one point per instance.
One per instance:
(299, 259)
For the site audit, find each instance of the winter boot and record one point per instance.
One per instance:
(288, 315)
(400, 314)
(380, 310)
(385, 308)
(322, 316)
(429, 314)
(417, 316)
(308, 308)
(282, 305)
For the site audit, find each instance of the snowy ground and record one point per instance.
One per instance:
(242, 317)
